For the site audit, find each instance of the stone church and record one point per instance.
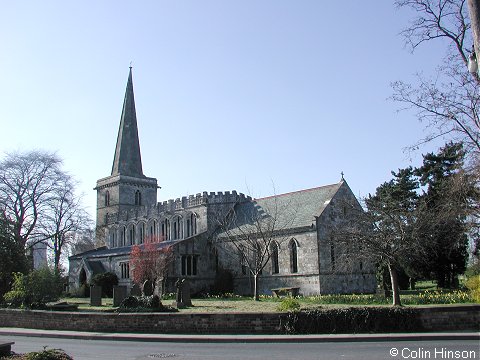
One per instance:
(303, 255)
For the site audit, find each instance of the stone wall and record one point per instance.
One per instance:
(337, 277)
(451, 318)
(437, 318)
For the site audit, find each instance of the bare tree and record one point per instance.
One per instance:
(150, 262)
(252, 232)
(63, 216)
(474, 10)
(27, 183)
(84, 240)
(448, 103)
(383, 234)
(38, 198)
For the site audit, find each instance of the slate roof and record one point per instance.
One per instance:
(291, 210)
(96, 267)
(125, 250)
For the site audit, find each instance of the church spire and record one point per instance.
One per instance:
(127, 160)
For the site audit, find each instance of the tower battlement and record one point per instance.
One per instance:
(180, 204)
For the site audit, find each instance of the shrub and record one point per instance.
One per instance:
(352, 320)
(473, 285)
(50, 354)
(35, 289)
(142, 303)
(129, 302)
(81, 292)
(223, 282)
(473, 270)
(289, 304)
(107, 281)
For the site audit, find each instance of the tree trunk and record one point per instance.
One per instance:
(474, 10)
(395, 288)
(256, 297)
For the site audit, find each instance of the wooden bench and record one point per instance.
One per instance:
(292, 291)
(6, 348)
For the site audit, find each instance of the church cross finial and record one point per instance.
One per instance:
(342, 175)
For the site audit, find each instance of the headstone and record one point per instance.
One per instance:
(148, 288)
(135, 290)
(186, 299)
(178, 299)
(95, 295)
(158, 287)
(119, 293)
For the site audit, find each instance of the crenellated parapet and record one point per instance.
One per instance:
(176, 205)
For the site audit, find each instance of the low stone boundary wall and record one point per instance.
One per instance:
(438, 318)
(450, 318)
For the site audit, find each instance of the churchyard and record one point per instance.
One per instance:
(425, 294)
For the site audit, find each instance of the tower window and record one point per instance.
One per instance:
(107, 198)
(131, 235)
(124, 236)
(138, 197)
(113, 242)
(142, 233)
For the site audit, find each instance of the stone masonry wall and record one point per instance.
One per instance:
(337, 277)
(438, 318)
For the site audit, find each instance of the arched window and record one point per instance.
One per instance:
(107, 198)
(113, 240)
(274, 257)
(82, 279)
(124, 236)
(293, 247)
(191, 225)
(166, 229)
(142, 232)
(131, 235)
(177, 228)
(138, 197)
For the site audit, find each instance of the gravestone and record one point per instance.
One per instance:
(183, 293)
(186, 299)
(95, 295)
(135, 290)
(148, 288)
(119, 293)
(178, 299)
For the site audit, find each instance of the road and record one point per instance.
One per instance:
(119, 350)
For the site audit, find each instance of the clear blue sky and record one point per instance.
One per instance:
(229, 94)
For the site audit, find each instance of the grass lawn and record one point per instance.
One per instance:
(270, 304)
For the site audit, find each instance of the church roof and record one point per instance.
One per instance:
(127, 159)
(289, 211)
(119, 251)
(96, 267)
(300, 207)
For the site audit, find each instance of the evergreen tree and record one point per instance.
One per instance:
(392, 211)
(442, 215)
(12, 256)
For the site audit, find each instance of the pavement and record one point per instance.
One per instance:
(212, 338)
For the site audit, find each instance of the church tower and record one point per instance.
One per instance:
(126, 187)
